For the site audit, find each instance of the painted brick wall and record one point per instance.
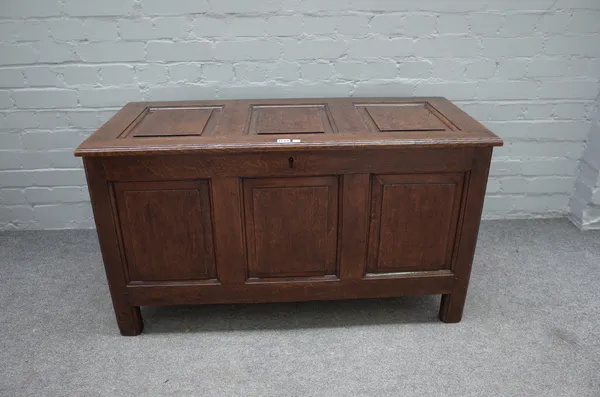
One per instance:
(528, 69)
(585, 202)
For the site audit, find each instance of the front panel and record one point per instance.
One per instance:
(166, 230)
(291, 226)
(413, 221)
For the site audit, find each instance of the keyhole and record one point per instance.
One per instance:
(291, 162)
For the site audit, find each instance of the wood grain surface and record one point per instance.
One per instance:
(204, 202)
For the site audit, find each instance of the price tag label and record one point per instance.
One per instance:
(285, 140)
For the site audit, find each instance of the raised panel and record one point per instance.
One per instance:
(290, 119)
(174, 121)
(399, 117)
(166, 230)
(291, 226)
(413, 221)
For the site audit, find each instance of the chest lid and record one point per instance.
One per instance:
(283, 124)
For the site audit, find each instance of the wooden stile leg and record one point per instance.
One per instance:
(129, 317)
(451, 309)
(452, 304)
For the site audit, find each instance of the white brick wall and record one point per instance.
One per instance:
(585, 202)
(529, 70)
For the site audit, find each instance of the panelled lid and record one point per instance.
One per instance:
(284, 124)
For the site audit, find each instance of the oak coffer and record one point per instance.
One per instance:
(287, 200)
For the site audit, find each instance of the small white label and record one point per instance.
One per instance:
(284, 140)
(296, 140)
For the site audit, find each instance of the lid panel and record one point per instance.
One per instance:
(399, 117)
(290, 119)
(147, 128)
(173, 122)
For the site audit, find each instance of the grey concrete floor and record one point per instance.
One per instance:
(531, 328)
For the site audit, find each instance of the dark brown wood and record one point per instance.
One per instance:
(291, 226)
(287, 200)
(128, 316)
(171, 122)
(179, 167)
(232, 132)
(402, 117)
(413, 221)
(354, 220)
(290, 119)
(253, 291)
(229, 239)
(173, 218)
(452, 306)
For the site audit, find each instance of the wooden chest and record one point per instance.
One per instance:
(287, 200)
